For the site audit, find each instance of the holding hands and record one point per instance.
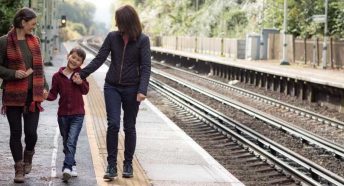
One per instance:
(76, 79)
(45, 94)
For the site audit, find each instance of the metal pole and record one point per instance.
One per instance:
(285, 44)
(324, 52)
(261, 51)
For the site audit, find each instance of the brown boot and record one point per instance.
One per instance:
(28, 160)
(19, 174)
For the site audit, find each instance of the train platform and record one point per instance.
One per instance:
(164, 155)
(329, 77)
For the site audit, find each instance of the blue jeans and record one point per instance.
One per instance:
(70, 127)
(115, 98)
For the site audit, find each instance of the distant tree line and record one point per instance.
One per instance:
(80, 16)
(235, 18)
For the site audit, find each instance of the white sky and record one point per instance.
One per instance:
(103, 13)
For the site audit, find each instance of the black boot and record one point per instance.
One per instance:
(111, 173)
(127, 170)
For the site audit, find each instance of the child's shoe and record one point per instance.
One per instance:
(66, 174)
(74, 173)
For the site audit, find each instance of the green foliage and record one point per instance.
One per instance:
(78, 12)
(235, 18)
(336, 18)
(80, 28)
(8, 9)
(300, 14)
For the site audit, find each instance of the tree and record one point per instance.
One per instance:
(78, 12)
(234, 18)
(8, 9)
(300, 14)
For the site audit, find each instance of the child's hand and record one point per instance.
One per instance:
(45, 94)
(76, 79)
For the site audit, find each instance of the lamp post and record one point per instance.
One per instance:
(284, 60)
(324, 52)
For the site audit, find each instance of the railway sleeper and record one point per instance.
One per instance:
(250, 160)
(256, 164)
(239, 150)
(204, 131)
(274, 174)
(194, 121)
(242, 156)
(197, 125)
(266, 168)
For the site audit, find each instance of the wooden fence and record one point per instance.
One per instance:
(301, 51)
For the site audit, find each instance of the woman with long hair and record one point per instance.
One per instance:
(24, 87)
(125, 86)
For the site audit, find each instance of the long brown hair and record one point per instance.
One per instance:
(128, 21)
(23, 14)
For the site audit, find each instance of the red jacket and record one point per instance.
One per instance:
(70, 102)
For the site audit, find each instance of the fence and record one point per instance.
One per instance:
(310, 52)
(301, 51)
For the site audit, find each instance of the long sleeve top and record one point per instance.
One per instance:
(71, 101)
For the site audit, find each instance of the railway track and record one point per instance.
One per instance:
(216, 132)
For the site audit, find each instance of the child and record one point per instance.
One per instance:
(71, 87)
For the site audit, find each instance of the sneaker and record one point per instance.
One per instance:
(127, 170)
(66, 174)
(111, 173)
(74, 173)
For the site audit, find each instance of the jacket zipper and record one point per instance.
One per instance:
(120, 73)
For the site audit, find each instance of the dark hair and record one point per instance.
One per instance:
(79, 51)
(23, 14)
(128, 21)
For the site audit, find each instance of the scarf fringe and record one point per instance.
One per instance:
(33, 106)
(3, 110)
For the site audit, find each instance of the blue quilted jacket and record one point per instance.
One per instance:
(130, 65)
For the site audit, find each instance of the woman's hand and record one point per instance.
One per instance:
(76, 79)
(45, 94)
(140, 97)
(20, 74)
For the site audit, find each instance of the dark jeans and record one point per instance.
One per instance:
(115, 97)
(70, 127)
(14, 116)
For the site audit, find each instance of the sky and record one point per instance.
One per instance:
(103, 13)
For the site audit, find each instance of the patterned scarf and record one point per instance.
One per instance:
(15, 91)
